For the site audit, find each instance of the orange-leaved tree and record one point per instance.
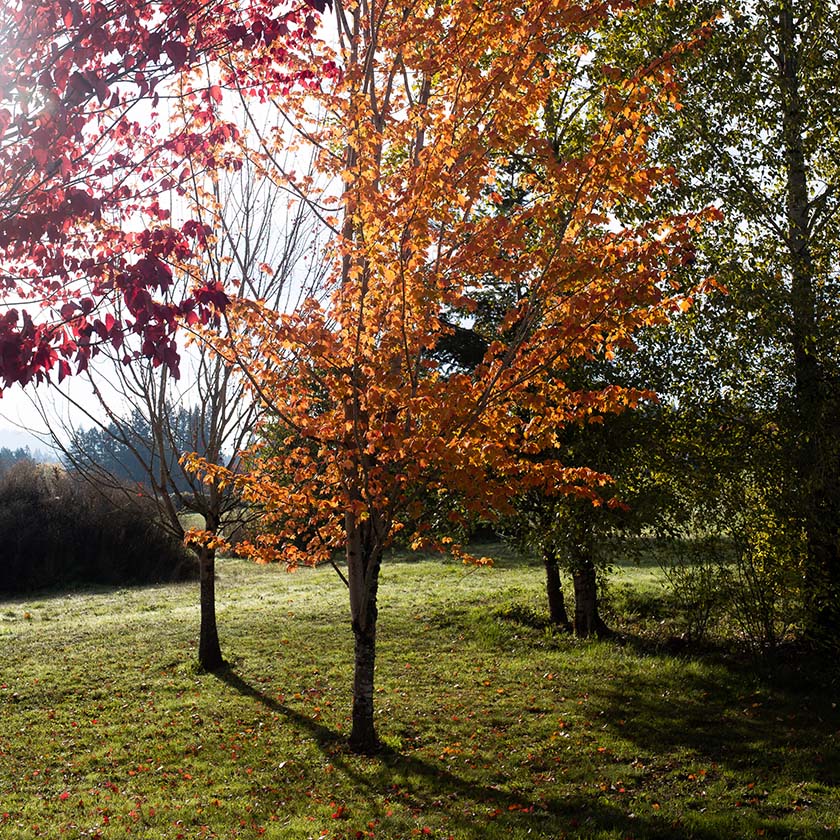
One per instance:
(436, 112)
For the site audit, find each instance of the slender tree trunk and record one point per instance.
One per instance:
(363, 738)
(556, 601)
(587, 620)
(364, 560)
(209, 651)
(817, 447)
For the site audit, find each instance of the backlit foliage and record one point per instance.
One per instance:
(435, 112)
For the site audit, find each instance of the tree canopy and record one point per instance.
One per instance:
(91, 162)
(428, 108)
(756, 134)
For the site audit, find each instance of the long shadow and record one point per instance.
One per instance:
(323, 735)
(335, 745)
(424, 785)
(773, 715)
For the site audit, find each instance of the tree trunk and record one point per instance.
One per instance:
(364, 560)
(817, 447)
(556, 601)
(587, 620)
(209, 651)
(363, 738)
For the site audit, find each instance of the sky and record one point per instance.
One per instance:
(22, 425)
(18, 421)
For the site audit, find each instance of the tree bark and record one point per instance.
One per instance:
(587, 620)
(556, 601)
(364, 560)
(816, 444)
(209, 650)
(363, 738)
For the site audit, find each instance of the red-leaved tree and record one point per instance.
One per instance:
(91, 166)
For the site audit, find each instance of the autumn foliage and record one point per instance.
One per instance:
(436, 115)
(91, 166)
(432, 110)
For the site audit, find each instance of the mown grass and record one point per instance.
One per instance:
(495, 726)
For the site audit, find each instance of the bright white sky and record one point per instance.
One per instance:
(18, 419)
(20, 422)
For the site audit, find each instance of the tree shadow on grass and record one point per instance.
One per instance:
(774, 716)
(470, 805)
(323, 735)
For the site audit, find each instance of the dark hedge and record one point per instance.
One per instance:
(57, 530)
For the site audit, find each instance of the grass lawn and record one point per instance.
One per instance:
(495, 727)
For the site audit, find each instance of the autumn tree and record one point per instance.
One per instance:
(89, 162)
(430, 103)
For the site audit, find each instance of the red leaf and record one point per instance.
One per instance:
(64, 370)
(177, 53)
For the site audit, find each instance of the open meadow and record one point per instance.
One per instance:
(495, 726)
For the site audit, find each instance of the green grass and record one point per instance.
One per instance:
(495, 726)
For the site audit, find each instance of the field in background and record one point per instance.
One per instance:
(495, 726)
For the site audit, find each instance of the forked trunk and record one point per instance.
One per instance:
(587, 620)
(209, 651)
(554, 590)
(364, 559)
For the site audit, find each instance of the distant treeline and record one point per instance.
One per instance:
(9, 457)
(128, 451)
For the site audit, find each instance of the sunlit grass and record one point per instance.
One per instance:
(494, 726)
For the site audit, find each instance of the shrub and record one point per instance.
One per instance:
(700, 579)
(740, 567)
(768, 572)
(56, 529)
